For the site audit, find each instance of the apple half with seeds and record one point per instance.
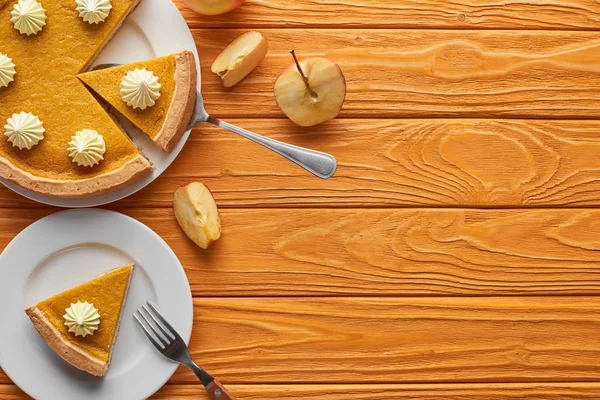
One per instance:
(197, 214)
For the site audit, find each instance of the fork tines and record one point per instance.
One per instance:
(156, 328)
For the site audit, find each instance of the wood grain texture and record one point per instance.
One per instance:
(9, 391)
(384, 252)
(381, 252)
(464, 14)
(424, 73)
(538, 391)
(396, 163)
(483, 391)
(390, 163)
(395, 340)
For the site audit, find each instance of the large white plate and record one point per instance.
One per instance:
(65, 249)
(156, 28)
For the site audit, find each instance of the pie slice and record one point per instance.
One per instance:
(165, 121)
(90, 353)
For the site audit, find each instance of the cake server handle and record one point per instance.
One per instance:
(318, 163)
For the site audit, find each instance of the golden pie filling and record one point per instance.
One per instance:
(107, 293)
(107, 84)
(46, 86)
(62, 117)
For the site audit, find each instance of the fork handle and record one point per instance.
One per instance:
(217, 391)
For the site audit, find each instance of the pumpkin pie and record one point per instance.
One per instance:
(166, 120)
(90, 353)
(46, 86)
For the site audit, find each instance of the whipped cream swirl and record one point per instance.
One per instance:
(28, 16)
(93, 11)
(87, 148)
(7, 70)
(82, 318)
(140, 88)
(24, 130)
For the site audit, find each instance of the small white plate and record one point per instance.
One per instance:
(156, 28)
(71, 247)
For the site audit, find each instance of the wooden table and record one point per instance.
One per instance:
(455, 253)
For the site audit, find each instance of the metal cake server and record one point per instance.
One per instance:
(318, 163)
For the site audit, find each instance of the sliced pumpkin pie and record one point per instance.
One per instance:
(43, 105)
(157, 96)
(81, 324)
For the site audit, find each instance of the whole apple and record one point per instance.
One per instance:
(213, 7)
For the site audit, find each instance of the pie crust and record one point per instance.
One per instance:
(68, 350)
(182, 106)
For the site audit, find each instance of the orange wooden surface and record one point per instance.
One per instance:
(455, 253)
(417, 14)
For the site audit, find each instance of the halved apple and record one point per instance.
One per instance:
(240, 58)
(312, 91)
(214, 7)
(197, 213)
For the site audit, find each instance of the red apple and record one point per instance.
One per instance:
(213, 7)
(311, 91)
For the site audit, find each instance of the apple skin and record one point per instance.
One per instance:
(214, 7)
(325, 78)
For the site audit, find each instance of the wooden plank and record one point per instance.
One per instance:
(381, 252)
(554, 391)
(424, 73)
(396, 163)
(390, 163)
(533, 391)
(526, 391)
(9, 391)
(468, 14)
(387, 252)
(396, 340)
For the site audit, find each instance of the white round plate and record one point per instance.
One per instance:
(71, 247)
(156, 28)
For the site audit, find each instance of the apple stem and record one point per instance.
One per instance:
(312, 93)
(299, 68)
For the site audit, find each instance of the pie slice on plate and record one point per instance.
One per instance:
(168, 118)
(90, 350)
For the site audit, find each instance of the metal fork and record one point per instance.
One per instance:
(168, 342)
(318, 163)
